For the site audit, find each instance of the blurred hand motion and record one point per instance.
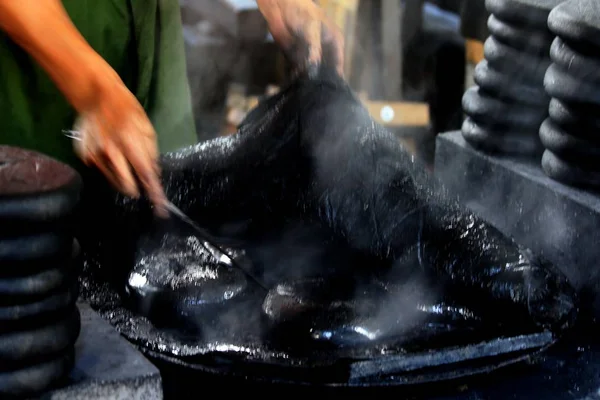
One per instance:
(117, 137)
(305, 34)
(115, 134)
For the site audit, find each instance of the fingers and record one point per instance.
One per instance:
(117, 152)
(312, 36)
(308, 37)
(121, 179)
(142, 152)
(95, 149)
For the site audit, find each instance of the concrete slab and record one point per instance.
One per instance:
(107, 366)
(558, 222)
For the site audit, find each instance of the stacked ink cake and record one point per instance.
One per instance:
(571, 134)
(39, 319)
(508, 104)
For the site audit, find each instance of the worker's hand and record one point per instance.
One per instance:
(117, 137)
(115, 133)
(305, 34)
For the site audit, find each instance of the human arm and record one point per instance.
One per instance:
(303, 31)
(116, 135)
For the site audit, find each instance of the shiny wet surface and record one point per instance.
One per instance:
(569, 371)
(373, 215)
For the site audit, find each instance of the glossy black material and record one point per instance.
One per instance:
(319, 196)
(175, 280)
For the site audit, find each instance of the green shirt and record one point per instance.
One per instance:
(141, 39)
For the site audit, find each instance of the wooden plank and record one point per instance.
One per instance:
(397, 114)
(392, 114)
(474, 51)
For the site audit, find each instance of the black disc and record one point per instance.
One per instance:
(323, 313)
(30, 254)
(180, 284)
(563, 86)
(27, 289)
(33, 380)
(22, 348)
(579, 119)
(569, 147)
(536, 41)
(508, 88)
(528, 13)
(28, 267)
(494, 112)
(578, 65)
(36, 191)
(567, 173)
(515, 63)
(38, 312)
(577, 21)
(494, 141)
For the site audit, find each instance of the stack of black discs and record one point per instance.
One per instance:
(508, 104)
(39, 267)
(571, 134)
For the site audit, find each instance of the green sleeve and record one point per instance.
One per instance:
(162, 85)
(141, 39)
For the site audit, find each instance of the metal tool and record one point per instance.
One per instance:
(216, 251)
(76, 135)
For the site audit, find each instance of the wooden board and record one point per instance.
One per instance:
(392, 114)
(474, 51)
(397, 114)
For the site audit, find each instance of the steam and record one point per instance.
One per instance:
(298, 253)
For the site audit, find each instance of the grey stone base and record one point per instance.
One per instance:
(107, 366)
(560, 223)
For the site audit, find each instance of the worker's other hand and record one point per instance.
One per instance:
(117, 137)
(305, 34)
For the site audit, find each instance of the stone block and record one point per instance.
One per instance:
(107, 367)
(558, 222)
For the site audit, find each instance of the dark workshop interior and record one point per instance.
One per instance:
(390, 198)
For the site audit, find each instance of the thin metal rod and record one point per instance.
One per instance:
(214, 249)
